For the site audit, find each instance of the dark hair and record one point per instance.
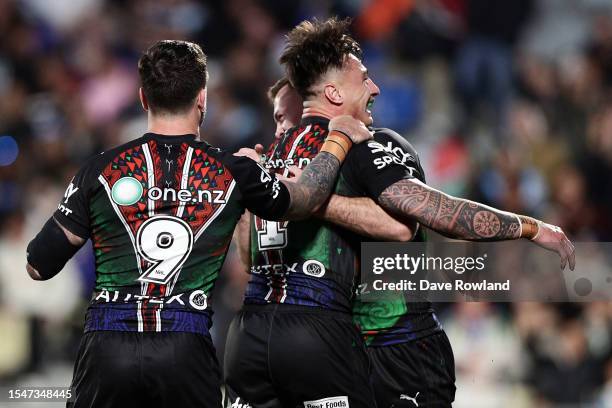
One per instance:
(313, 48)
(171, 74)
(275, 89)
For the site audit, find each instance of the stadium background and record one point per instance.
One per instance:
(507, 102)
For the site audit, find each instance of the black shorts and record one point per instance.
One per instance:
(417, 372)
(292, 356)
(131, 369)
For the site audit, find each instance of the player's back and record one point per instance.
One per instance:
(146, 205)
(298, 299)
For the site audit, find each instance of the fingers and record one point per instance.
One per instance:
(246, 152)
(240, 153)
(259, 149)
(571, 250)
(294, 171)
(285, 179)
(355, 129)
(568, 250)
(553, 238)
(563, 254)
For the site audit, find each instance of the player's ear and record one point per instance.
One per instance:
(333, 94)
(201, 100)
(143, 99)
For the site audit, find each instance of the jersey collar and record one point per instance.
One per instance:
(171, 138)
(310, 120)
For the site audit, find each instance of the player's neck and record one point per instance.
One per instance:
(313, 108)
(171, 125)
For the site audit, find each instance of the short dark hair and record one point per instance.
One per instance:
(275, 89)
(313, 48)
(171, 75)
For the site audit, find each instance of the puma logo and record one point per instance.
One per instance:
(409, 398)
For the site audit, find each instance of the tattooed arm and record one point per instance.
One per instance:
(313, 187)
(464, 219)
(360, 215)
(315, 184)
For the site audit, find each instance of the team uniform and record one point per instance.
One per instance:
(294, 342)
(160, 211)
(412, 360)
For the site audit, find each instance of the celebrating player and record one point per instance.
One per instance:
(410, 353)
(160, 211)
(358, 214)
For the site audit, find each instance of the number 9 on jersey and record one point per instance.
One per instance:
(166, 242)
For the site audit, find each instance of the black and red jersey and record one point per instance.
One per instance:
(161, 211)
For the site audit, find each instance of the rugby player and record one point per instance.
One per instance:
(160, 211)
(411, 357)
(358, 214)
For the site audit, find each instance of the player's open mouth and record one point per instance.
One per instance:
(369, 105)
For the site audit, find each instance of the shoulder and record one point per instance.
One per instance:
(97, 162)
(392, 141)
(125, 151)
(239, 167)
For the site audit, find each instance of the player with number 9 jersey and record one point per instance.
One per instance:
(160, 211)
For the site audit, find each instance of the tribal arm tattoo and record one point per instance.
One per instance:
(451, 216)
(313, 187)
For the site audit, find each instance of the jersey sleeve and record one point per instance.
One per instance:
(73, 210)
(375, 165)
(261, 192)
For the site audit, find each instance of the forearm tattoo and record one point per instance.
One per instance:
(314, 186)
(450, 216)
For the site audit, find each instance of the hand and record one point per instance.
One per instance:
(293, 174)
(253, 154)
(553, 238)
(353, 128)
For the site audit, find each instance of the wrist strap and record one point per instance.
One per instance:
(530, 227)
(338, 144)
(342, 138)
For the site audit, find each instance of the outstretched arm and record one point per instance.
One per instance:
(464, 219)
(313, 187)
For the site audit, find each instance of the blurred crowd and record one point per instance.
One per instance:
(507, 102)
